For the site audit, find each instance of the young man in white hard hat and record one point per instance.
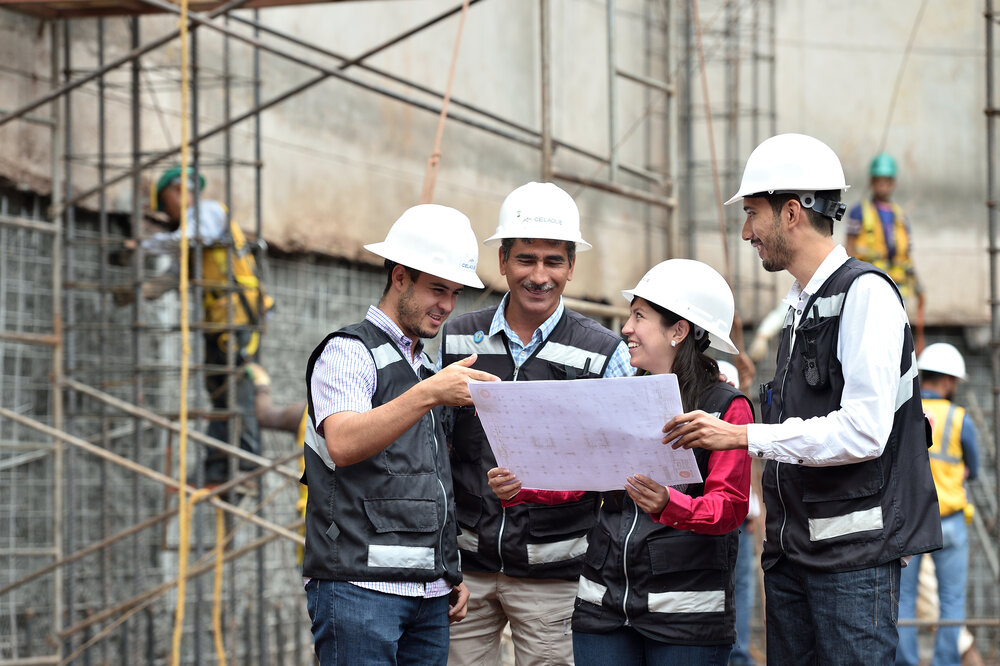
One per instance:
(954, 459)
(522, 563)
(381, 561)
(847, 481)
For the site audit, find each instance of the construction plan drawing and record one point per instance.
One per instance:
(584, 435)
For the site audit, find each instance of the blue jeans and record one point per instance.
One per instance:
(819, 617)
(951, 564)
(743, 598)
(353, 625)
(628, 647)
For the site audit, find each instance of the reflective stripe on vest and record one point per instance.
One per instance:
(546, 553)
(400, 557)
(572, 356)
(687, 601)
(312, 439)
(590, 591)
(467, 540)
(385, 355)
(465, 345)
(871, 245)
(905, 390)
(836, 526)
(947, 462)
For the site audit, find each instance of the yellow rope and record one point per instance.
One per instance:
(184, 520)
(220, 552)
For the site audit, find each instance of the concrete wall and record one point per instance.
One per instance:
(837, 66)
(340, 162)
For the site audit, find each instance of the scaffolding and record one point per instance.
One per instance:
(88, 422)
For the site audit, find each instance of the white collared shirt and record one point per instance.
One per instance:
(869, 347)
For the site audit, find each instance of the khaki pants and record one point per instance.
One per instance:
(539, 611)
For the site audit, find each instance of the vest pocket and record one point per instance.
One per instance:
(562, 519)
(402, 515)
(841, 482)
(597, 548)
(687, 552)
(843, 503)
(468, 508)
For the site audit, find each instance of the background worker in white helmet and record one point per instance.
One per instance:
(657, 583)
(522, 564)
(381, 562)
(954, 460)
(847, 482)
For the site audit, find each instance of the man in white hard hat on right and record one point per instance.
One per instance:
(522, 563)
(847, 482)
(954, 460)
(380, 560)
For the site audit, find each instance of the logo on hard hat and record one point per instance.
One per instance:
(469, 264)
(547, 220)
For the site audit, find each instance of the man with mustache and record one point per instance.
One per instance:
(847, 481)
(522, 563)
(381, 563)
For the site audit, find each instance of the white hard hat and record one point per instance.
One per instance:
(433, 239)
(694, 291)
(729, 370)
(791, 163)
(539, 210)
(942, 358)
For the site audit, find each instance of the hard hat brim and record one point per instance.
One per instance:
(717, 341)
(497, 239)
(462, 276)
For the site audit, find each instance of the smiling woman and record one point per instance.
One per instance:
(672, 602)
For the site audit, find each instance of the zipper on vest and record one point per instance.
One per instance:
(444, 493)
(631, 531)
(503, 523)
(503, 509)
(781, 414)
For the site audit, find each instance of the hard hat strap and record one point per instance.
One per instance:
(831, 209)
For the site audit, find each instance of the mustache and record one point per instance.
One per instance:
(534, 286)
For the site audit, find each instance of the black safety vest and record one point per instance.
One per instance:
(858, 515)
(670, 585)
(532, 541)
(390, 517)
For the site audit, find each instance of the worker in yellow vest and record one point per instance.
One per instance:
(878, 231)
(233, 308)
(954, 459)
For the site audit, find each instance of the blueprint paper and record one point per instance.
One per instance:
(587, 434)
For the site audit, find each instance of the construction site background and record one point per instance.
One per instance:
(333, 109)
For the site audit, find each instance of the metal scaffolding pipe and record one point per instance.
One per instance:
(114, 64)
(162, 479)
(632, 170)
(612, 95)
(993, 231)
(173, 426)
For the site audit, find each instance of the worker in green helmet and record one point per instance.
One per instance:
(233, 306)
(879, 232)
